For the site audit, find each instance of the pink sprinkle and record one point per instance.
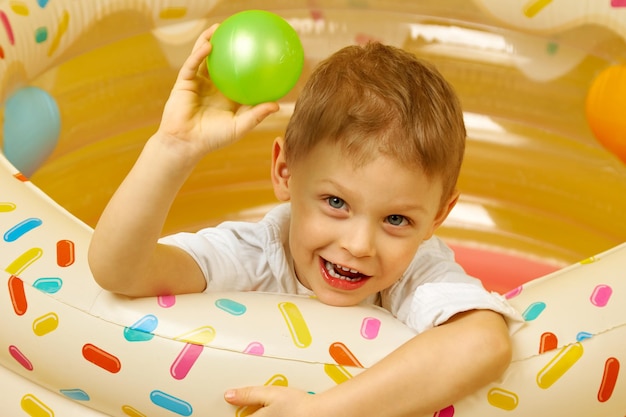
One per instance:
(166, 301)
(363, 39)
(618, 3)
(7, 27)
(185, 360)
(317, 15)
(446, 412)
(370, 328)
(513, 293)
(20, 358)
(254, 348)
(601, 295)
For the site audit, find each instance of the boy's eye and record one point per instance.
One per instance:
(396, 220)
(336, 202)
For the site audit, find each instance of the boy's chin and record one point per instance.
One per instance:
(338, 300)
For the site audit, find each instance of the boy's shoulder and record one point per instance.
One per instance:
(435, 247)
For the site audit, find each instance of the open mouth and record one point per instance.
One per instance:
(342, 272)
(342, 277)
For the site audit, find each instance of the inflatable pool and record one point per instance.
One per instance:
(82, 86)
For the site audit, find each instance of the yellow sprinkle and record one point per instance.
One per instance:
(173, 12)
(23, 261)
(278, 380)
(589, 260)
(337, 373)
(296, 324)
(132, 412)
(503, 399)
(34, 407)
(20, 8)
(200, 336)
(45, 324)
(535, 6)
(6, 207)
(559, 365)
(61, 29)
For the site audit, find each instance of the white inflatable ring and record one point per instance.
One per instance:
(68, 348)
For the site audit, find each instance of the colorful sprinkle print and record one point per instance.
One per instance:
(534, 310)
(535, 6)
(171, 403)
(34, 407)
(503, 399)
(561, 356)
(21, 229)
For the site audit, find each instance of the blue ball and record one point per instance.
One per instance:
(32, 125)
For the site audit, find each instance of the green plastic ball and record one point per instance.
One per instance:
(256, 57)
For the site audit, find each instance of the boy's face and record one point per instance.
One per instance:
(354, 231)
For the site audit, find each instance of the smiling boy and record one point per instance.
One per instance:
(368, 171)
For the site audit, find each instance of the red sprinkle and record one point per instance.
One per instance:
(65, 253)
(7, 27)
(101, 358)
(18, 295)
(548, 342)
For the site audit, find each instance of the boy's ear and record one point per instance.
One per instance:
(444, 211)
(280, 172)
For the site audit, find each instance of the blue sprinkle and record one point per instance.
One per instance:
(21, 228)
(533, 311)
(41, 34)
(142, 330)
(75, 394)
(230, 306)
(48, 285)
(582, 336)
(42, 3)
(133, 335)
(552, 48)
(171, 403)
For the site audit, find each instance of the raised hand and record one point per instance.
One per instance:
(198, 115)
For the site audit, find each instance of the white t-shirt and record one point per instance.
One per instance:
(254, 256)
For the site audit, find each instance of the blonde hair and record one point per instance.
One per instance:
(378, 99)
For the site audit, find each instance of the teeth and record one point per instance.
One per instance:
(346, 269)
(330, 267)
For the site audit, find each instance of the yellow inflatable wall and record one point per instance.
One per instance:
(539, 193)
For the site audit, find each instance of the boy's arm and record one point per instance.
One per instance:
(124, 255)
(428, 373)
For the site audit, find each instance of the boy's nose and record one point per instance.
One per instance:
(358, 238)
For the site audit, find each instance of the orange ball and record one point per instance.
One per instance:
(606, 109)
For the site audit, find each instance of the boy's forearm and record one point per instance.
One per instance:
(428, 373)
(125, 239)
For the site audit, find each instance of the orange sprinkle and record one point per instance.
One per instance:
(343, 356)
(609, 379)
(65, 253)
(18, 295)
(101, 358)
(20, 177)
(548, 342)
